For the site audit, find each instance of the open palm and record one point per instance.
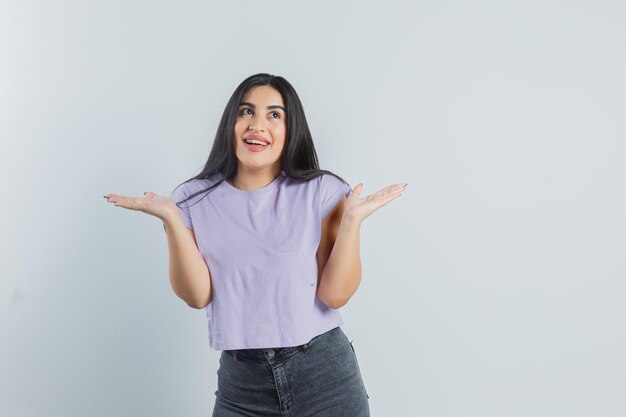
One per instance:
(360, 208)
(151, 203)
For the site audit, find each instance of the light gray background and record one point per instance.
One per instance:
(493, 287)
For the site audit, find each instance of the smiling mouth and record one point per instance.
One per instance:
(255, 142)
(253, 147)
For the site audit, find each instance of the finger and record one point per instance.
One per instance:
(386, 192)
(124, 201)
(356, 191)
(394, 187)
(110, 195)
(386, 200)
(111, 198)
(118, 201)
(132, 203)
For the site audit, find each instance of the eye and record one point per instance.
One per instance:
(277, 114)
(241, 112)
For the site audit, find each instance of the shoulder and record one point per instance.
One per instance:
(332, 182)
(332, 190)
(190, 187)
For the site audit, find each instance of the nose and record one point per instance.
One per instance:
(257, 124)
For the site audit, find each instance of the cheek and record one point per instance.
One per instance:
(280, 134)
(239, 132)
(279, 142)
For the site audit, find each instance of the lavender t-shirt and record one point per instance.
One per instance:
(260, 247)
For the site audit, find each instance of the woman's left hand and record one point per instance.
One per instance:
(359, 208)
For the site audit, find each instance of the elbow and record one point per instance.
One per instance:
(334, 305)
(340, 302)
(200, 304)
(331, 298)
(194, 305)
(334, 301)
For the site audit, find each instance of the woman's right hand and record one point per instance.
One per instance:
(151, 203)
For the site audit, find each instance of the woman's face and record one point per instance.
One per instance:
(261, 113)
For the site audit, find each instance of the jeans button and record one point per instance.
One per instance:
(270, 353)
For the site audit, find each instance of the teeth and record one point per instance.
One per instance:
(256, 142)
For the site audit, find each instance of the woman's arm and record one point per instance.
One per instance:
(338, 257)
(189, 275)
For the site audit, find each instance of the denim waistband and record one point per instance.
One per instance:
(256, 353)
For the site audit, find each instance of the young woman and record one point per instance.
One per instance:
(268, 245)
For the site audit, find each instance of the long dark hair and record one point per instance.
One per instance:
(298, 160)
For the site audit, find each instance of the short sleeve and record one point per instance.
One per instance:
(178, 196)
(332, 190)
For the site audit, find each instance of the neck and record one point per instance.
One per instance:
(247, 179)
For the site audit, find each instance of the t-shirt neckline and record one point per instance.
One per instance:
(261, 190)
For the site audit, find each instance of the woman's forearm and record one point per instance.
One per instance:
(342, 272)
(189, 275)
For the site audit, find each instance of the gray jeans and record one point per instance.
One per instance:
(319, 378)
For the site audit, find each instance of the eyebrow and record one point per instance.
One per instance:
(275, 106)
